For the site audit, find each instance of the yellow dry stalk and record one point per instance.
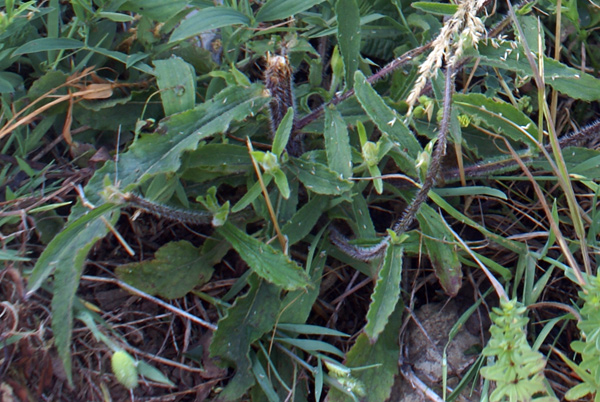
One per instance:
(462, 29)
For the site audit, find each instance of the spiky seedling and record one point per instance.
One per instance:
(589, 348)
(518, 370)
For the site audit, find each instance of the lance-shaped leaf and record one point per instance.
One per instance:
(65, 256)
(208, 19)
(282, 9)
(441, 253)
(250, 317)
(388, 121)
(500, 116)
(161, 153)
(337, 143)
(318, 178)
(264, 260)
(566, 80)
(382, 356)
(176, 80)
(304, 219)
(386, 293)
(348, 20)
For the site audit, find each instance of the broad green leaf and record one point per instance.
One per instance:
(208, 19)
(442, 254)
(566, 80)
(46, 44)
(435, 8)
(348, 33)
(70, 245)
(388, 121)
(157, 10)
(318, 178)
(282, 9)
(500, 116)
(337, 143)
(305, 219)
(251, 316)
(65, 256)
(176, 81)
(386, 293)
(383, 354)
(176, 269)
(284, 130)
(226, 158)
(264, 260)
(161, 153)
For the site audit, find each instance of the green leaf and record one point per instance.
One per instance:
(388, 121)
(348, 33)
(176, 81)
(298, 304)
(251, 316)
(305, 219)
(443, 256)
(11, 255)
(157, 10)
(208, 19)
(46, 44)
(282, 9)
(65, 255)
(435, 8)
(318, 178)
(383, 355)
(160, 153)
(311, 345)
(264, 260)
(152, 373)
(310, 330)
(176, 269)
(566, 80)
(116, 17)
(500, 116)
(284, 130)
(337, 143)
(386, 293)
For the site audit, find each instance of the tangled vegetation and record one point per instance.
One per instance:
(248, 200)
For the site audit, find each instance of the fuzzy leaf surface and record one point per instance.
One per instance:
(176, 269)
(161, 153)
(384, 354)
(319, 179)
(443, 256)
(337, 143)
(500, 116)
(65, 256)
(348, 33)
(176, 80)
(250, 317)
(388, 121)
(264, 260)
(386, 293)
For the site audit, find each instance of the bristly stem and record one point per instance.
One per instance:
(164, 211)
(436, 158)
(371, 253)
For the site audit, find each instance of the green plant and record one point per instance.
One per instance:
(199, 139)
